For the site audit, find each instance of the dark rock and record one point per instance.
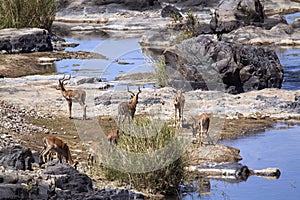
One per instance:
(210, 65)
(296, 24)
(16, 157)
(89, 80)
(24, 40)
(171, 11)
(13, 191)
(198, 3)
(152, 101)
(272, 21)
(70, 178)
(139, 4)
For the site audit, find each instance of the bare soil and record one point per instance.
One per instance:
(16, 65)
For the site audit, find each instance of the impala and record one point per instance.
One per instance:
(113, 137)
(126, 109)
(55, 144)
(76, 96)
(203, 124)
(179, 102)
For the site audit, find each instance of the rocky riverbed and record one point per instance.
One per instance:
(31, 107)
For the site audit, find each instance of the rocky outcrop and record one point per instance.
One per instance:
(16, 157)
(231, 14)
(21, 178)
(24, 40)
(60, 181)
(210, 65)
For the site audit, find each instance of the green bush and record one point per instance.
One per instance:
(160, 72)
(27, 13)
(148, 136)
(189, 28)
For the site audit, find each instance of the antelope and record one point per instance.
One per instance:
(76, 96)
(128, 109)
(179, 101)
(112, 138)
(203, 124)
(55, 144)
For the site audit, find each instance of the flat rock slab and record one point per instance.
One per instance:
(24, 40)
(213, 153)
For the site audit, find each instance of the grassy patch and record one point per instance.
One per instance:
(138, 151)
(160, 73)
(27, 13)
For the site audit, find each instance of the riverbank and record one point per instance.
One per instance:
(31, 108)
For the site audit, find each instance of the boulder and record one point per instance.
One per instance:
(68, 178)
(24, 40)
(16, 157)
(210, 65)
(171, 11)
(13, 191)
(280, 35)
(231, 14)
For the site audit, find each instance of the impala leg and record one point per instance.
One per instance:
(46, 152)
(201, 133)
(70, 109)
(181, 116)
(209, 139)
(84, 110)
(175, 115)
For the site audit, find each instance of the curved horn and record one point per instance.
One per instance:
(130, 91)
(139, 90)
(61, 79)
(65, 79)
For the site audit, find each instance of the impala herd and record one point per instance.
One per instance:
(126, 110)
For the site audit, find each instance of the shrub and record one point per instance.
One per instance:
(148, 136)
(27, 13)
(160, 71)
(189, 27)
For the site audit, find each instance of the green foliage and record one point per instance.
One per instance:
(160, 72)
(27, 13)
(153, 136)
(189, 28)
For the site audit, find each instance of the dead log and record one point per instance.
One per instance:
(232, 171)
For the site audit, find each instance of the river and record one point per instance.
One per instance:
(273, 148)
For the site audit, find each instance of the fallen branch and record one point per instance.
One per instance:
(232, 171)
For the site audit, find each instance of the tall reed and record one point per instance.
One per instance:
(27, 13)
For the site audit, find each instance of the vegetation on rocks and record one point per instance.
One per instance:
(27, 13)
(160, 72)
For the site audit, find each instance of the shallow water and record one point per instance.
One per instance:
(274, 148)
(290, 60)
(115, 50)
